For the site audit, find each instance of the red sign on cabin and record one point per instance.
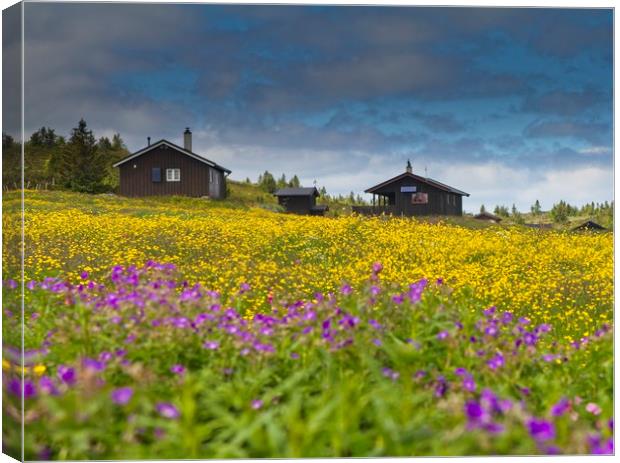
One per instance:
(419, 198)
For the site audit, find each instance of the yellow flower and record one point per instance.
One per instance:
(39, 369)
(6, 365)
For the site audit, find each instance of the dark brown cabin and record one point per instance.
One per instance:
(409, 195)
(163, 168)
(488, 217)
(300, 201)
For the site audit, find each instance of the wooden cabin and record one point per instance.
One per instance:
(300, 201)
(410, 195)
(488, 217)
(589, 226)
(163, 168)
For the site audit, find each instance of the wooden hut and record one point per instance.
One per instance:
(589, 226)
(300, 201)
(408, 194)
(488, 217)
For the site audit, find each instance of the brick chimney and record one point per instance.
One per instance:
(409, 168)
(187, 139)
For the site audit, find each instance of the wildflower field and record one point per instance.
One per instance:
(187, 328)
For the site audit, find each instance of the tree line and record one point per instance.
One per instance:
(560, 212)
(78, 163)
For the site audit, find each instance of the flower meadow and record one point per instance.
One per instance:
(144, 365)
(181, 328)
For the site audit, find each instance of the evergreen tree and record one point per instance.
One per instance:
(267, 182)
(514, 209)
(482, 209)
(281, 183)
(294, 183)
(82, 166)
(536, 209)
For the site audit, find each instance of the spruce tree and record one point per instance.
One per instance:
(82, 165)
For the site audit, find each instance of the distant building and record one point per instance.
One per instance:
(589, 225)
(300, 200)
(408, 195)
(488, 217)
(163, 168)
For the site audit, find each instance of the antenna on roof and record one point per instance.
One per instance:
(425, 171)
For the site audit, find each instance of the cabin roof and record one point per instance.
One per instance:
(589, 225)
(301, 191)
(161, 142)
(428, 181)
(487, 215)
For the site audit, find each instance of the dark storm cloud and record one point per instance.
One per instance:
(594, 132)
(366, 85)
(565, 102)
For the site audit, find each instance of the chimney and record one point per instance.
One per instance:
(148, 141)
(409, 168)
(187, 139)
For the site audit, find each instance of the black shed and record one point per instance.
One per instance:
(300, 200)
(409, 195)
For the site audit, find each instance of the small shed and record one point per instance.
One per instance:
(488, 217)
(300, 201)
(589, 225)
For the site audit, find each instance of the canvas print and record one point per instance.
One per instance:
(298, 231)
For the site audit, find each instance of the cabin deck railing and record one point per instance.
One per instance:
(373, 210)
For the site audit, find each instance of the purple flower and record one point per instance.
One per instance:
(398, 299)
(178, 369)
(541, 430)
(211, 345)
(84, 275)
(257, 404)
(93, 365)
(10, 283)
(105, 356)
(375, 324)
(376, 342)
(29, 389)
(560, 407)
(391, 374)
(530, 339)
(377, 267)
(375, 290)
(46, 384)
(606, 449)
(346, 289)
(442, 335)
(490, 311)
(506, 318)
(441, 387)
(244, 288)
(469, 384)
(496, 361)
(167, 410)
(523, 321)
(474, 411)
(122, 395)
(66, 374)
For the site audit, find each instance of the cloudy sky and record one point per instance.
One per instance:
(510, 105)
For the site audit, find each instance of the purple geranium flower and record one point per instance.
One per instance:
(122, 395)
(66, 374)
(560, 407)
(541, 430)
(167, 410)
(178, 369)
(211, 345)
(257, 404)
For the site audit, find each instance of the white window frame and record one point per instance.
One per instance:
(173, 175)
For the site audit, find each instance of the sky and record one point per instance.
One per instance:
(508, 104)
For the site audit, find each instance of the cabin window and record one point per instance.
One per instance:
(173, 175)
(156, 174)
